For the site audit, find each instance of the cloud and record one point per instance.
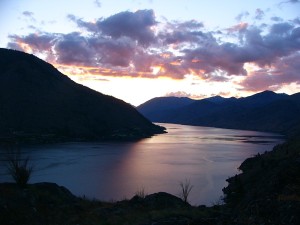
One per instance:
(97, 3)
(241, 27)
(281, 29)
(285, 71)
(34, 43)
(135, 44)
(135, 25)
(94, 78)
(73, 49)
(297, 21)
(276, 19)
(290, 1)
(259, 14)
(182, 33)
(28, 13)
(185, 94)
(242, 16)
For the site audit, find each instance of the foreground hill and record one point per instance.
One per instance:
(38, 102)
(265, 111)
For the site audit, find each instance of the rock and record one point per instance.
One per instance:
(160, 200)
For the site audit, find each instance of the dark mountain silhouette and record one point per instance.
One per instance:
(219, 99)
(262, 98)
(38, 102)
(265, 111)
(161, 106)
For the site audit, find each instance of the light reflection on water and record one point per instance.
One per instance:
(114, 171)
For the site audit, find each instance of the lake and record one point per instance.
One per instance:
(115, 171)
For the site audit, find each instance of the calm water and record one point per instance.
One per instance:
(114, 171)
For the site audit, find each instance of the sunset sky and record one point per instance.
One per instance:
(136, 50)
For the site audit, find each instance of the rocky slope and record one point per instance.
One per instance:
(268, 189)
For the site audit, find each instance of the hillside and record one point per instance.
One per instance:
(40, 103)
(265, 111)
(268, 189)
(156, 108)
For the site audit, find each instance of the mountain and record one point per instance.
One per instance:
(262, 98)
(219, 99)
(157, 107)
(38, 102)
(265, 111)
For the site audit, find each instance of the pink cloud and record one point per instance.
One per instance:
(135, 44)
(285, 71)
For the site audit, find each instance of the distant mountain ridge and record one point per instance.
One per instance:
(265, 111)
(38, 102)
(157, 108)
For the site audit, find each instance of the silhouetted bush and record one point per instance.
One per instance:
(186, 188)
(141, 192)
(19, 167)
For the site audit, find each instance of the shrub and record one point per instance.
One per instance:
(186, 188)
(141, 192)
(18, 167)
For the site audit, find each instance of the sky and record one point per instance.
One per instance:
(136, 50)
